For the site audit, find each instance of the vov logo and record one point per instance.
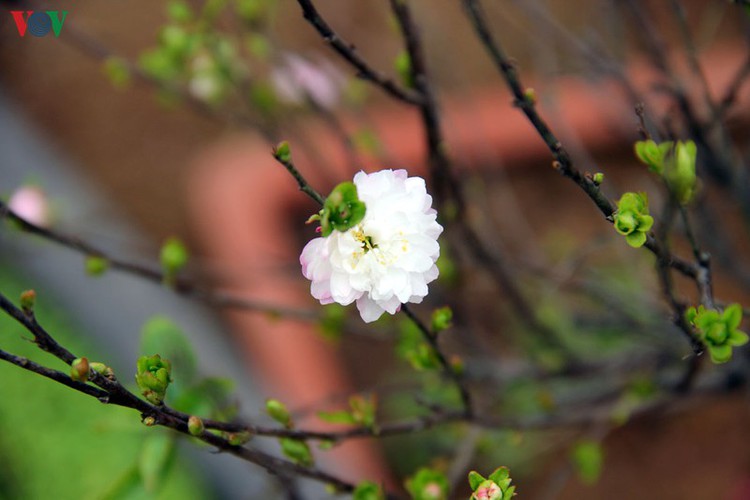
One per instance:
(39, 23)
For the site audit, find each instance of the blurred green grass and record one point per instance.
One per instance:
(57, 443)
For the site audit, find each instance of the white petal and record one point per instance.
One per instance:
(369, 309)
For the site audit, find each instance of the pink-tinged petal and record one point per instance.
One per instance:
(368, 309)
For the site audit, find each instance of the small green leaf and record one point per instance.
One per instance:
(155, 459)
(588, 459)
(336, 417)
(500, 475)
(297, 451)
(117, 71)
(738, 338)
(279, 412)
(733, 316)
(179, 11)
(402, 63)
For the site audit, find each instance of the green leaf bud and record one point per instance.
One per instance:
(402, 64)
(598, 178)
(153, 377)
(680, 172)
(441, 319)
(79, 369)
(632, 219)
(28, 299)
(283, 152)
(588, 457)
(195, 425)
(117, 71)
(102, 369)
(96, 265)
(148, 421)
(719, 332)
(279, 412)
(174, 256)
(239, 438)
(297, 451)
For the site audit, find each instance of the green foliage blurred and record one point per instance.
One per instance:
(81, 448)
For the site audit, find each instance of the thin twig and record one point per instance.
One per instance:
(180, 285)
(349, 53)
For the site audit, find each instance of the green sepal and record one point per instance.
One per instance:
(475, 479)
(720, 353)
(342, 209)
(636, 240)
(738, 338)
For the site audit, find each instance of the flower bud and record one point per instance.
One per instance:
(195, 425)
(239, 438)
(79, 369)
(283, 152)
(153, 377)
(148, 421)
(102, 369)
(28, 299)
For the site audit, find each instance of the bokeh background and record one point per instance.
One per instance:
(136, 154)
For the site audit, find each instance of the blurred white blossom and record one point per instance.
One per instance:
(30, 203)
(298, 79)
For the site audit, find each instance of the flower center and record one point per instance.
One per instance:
(365, 240)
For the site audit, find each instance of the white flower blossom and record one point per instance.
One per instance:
(388, 258)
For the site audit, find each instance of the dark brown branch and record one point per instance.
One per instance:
(180, 285)
(432, 340)
(349, 53)
(112, 392)
(563, 162)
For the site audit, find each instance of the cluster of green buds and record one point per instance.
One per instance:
(632, 219)
(718, 331)
(153, 377)
(192, 54)
(675, 162)
(495, 487)
(80, 370)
